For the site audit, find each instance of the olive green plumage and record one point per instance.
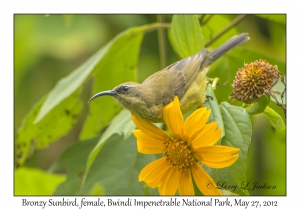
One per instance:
(185, 79)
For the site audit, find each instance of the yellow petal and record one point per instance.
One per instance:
(170, 183)
(208, 136)
(204, 182)
(216, 156)
(149, 129)
(160, 177)
(221, 164)
(148, 145)
(154, 172)
(215, 153)
(173, 118)
(195, 122)
(185, 186)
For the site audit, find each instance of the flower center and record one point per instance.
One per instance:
(178, 153)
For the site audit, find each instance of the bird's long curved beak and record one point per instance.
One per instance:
(109, 93)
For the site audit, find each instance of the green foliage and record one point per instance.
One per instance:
(30, 181)
(211, 102)
(119, 65)
(277, 91)
(78, 77)
(117, 168)
(120, 125)
(277, 18)
(186, 35)
(97, 189)
(227, 66)
(60, 108)
(114, 171)
(219, 22)
(238, 131)
(276, 121)
(33, 136)
(259, 106)
(73, 160)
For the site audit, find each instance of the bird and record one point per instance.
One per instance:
(185, 79)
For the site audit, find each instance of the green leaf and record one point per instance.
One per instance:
(97, 189)
(73, 160)
(152, 191)
(70, 84)
(186, 35)
(32, 136)
(259, 106)
(212, 104)
(228, 192)
(116, 168)
(276, 121)
(120, 125)
(277, 18)
(121, 67)
(238, 131)
(30, 181)
(196, 189)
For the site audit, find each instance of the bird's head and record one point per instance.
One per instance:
(128, 94)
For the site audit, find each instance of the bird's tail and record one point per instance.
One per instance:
(224, 48)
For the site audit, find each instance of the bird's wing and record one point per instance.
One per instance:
(165, 85)
(189, 66)
(175, 79)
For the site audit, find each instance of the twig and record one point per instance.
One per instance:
(201, 18)
(155, 26)
(284, 91)
(278, 103)
(206, 20)
(233, 23)
(162, 42)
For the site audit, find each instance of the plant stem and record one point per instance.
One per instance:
(201, 18)
(203, 22)
(155, 26)
(162, 42)
(232, 24)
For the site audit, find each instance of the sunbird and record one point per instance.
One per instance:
(185, 79)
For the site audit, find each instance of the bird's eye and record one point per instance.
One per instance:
(125, 88)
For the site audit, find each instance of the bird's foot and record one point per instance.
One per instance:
(209, 97)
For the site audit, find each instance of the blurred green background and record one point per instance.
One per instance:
(49, 47)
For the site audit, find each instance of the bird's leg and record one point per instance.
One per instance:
(214, 82)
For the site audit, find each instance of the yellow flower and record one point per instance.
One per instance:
(192, 141)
